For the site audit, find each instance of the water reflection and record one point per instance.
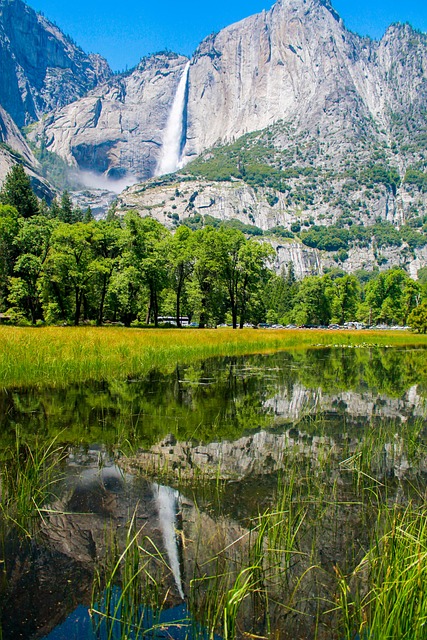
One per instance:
(207, 448)
(225, 398)
(167, 500)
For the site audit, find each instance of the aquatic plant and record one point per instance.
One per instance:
(28, 476)
(384, 596)
(128, 595)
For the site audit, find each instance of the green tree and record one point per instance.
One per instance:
(145, 260)
(411, 296)
(389, 298)
(17, 192)
(417, 319)
(231, 241)
(124, 292)
(181, 258)
(66, 209)
(70, 267)
(253, 276)
(206, 287)
(108, 243)
(279, 295)
(32, 243)
(154, 265)
(345, 297)
(312, 303)
(9, 226)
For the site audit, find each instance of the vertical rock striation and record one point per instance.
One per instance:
(118, 128)
(41, 68)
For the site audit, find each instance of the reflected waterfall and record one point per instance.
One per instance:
(167, 504)
(170, 159)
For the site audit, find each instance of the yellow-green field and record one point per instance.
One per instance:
(64, 355)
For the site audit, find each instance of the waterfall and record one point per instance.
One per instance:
(170, 159)
(167, 503)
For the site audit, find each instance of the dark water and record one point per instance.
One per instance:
(204, 445)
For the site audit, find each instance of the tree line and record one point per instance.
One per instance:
(58, 265)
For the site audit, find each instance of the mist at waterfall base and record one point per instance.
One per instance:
(173, 137)
(93, 180)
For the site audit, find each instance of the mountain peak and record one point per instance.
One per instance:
(306, 5)
(42, 68)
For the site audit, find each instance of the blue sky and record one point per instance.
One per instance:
(125, 31)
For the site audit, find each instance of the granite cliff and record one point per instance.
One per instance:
(41, 67)
(288, 119)
(296, 65)
(13, 149)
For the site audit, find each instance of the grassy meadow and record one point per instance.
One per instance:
(63, 355)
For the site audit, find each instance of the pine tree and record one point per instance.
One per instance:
(18, 193)
(88, 216)
(66, 210)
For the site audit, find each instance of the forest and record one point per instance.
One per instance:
(60, 266)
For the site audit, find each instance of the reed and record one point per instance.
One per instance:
(28, 478)
(273, 572)
(384, 596)
(50, 356)
(276, 571)
(127, 596)
(396, 602)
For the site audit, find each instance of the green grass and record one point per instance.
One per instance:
(60, 356)
(125, 584)
(28, 476)
(384, 596)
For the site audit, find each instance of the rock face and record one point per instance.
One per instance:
(12, 139)
(282, 63)
(41, 67)
(295, 64)
(298, 63)
(117, 128)
(13, 149)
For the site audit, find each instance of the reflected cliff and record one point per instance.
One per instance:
(193, 458)
(226, 398)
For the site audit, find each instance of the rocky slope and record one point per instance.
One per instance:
(13, 149)
(41, 67)
(196, 201)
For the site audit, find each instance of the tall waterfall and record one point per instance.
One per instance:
(167, 505)
(170, 159)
